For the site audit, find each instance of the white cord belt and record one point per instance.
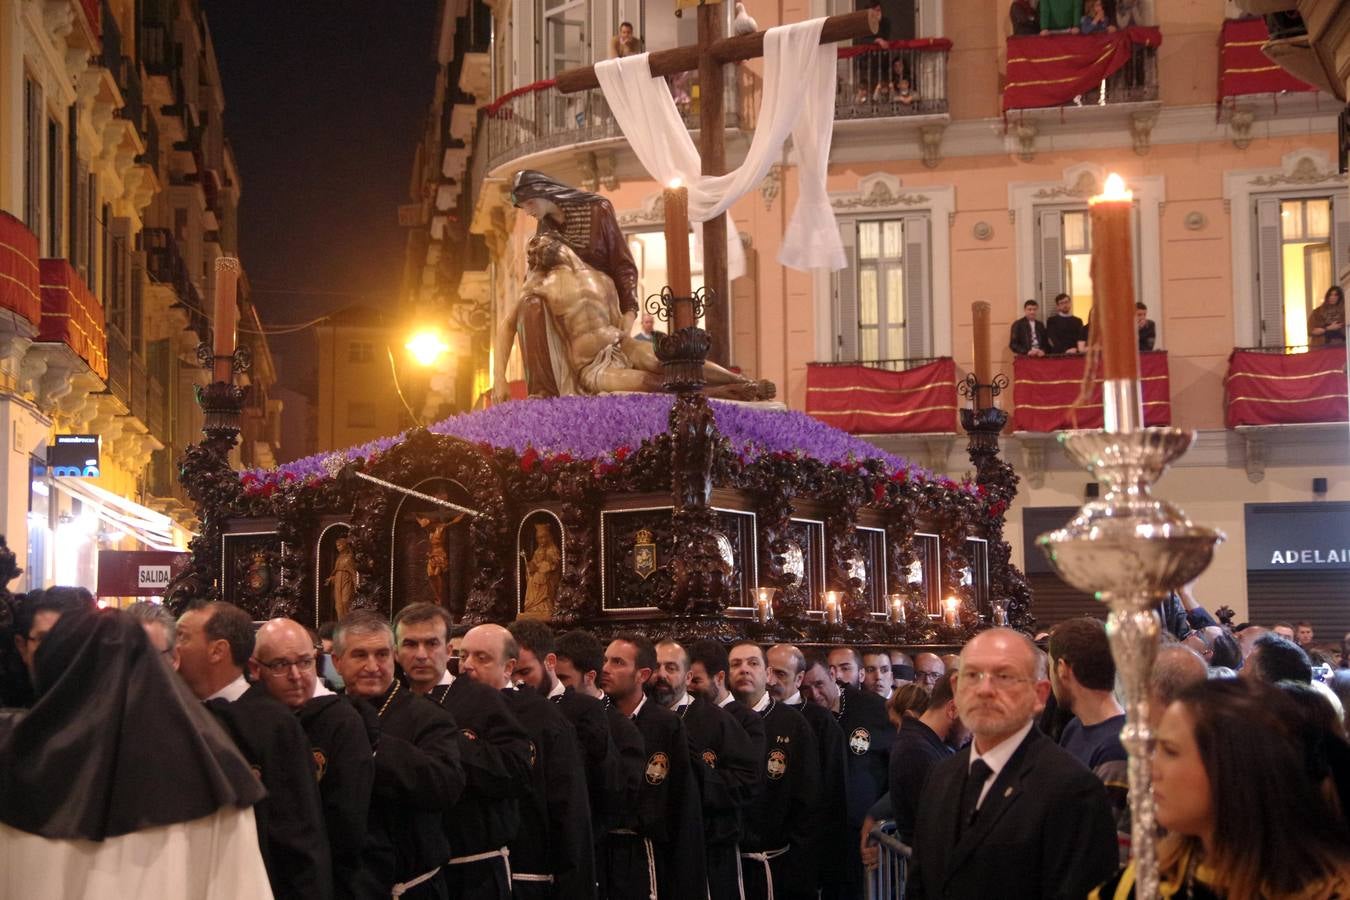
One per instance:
(651, 858)
(768, 871)
(402, 888)
(503, 852)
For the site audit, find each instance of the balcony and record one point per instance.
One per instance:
(165, 266)
(899, 80)
(1046, 391)
(19, 280)
(888, 396)
(537, 118)
(1285, 386)
(1062, 72)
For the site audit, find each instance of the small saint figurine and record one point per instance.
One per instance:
(343, 577)
(543, 571)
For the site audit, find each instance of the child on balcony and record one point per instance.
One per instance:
(1095, 21)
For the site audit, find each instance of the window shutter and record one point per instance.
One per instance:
(35, 124)
(59, 165)
(1269, 275)
(523, 51)
(1340, 237)
(918, 293)
(846, 297)
(1052, 258)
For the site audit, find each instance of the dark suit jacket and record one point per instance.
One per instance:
(1019, 340)
(1148, 335)
(1044, 830)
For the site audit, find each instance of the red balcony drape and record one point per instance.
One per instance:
(1052, 70)
(72, 315)
(1244, 69)
(1286, 389)
(863, 400)
(1044, 388)
(19, 270)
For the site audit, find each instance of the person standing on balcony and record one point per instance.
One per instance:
(1095, 21)
(625, 43)
(1326, 324)
(1065, 332)
(1028, 333)
(1148, 330)
(1060, 15)
(1024, 16)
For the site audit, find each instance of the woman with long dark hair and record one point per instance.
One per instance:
(1326, 323)
(1237, 778)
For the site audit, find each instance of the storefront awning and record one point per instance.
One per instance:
(151, 528)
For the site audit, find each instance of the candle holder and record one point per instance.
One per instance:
(1132, 550)
(222, 402)
(764, 605)
(834, 608)
(972, 388)
(998, 615)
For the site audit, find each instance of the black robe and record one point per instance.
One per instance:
(607, 786)
(344, 766)
(630, 771)
(668, 811)
(495, 753)
(418, 777)
(555, 828)
(728, 763)
(781, 816)
(868, 735)
(291, 831)
(831, 813)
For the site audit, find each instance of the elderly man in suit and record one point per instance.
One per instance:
(1027, 336)
(1012, 815)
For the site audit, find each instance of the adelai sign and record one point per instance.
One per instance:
(73, 456)
(1298, 537)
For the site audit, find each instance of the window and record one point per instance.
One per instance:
(882, 300)
(56, 169)
(360, 351)
(649, 253)
(1064, 264)
(32, 156)
(360, 414)
(1296, 261)
(563, 34)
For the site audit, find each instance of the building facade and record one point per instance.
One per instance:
(955, 188)
(118, 191)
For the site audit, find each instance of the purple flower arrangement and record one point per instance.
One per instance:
(595, 428)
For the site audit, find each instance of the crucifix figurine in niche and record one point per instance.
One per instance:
(439, 568)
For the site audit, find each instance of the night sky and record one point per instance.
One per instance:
(324, 105)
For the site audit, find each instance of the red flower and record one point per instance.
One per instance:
(621, 453)
(998, 508)
(529, 459)
(878, 492)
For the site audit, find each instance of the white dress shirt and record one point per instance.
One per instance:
(232, 691)
(998, 757)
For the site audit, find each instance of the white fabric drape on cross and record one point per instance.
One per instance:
(799, 86)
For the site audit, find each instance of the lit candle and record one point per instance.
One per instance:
(832, 615)
(226, 318)
(1113, 281)
(897, 609)
(764, 605)
(676, 198)
(1000, 613)
(981, 312)
(949, 612)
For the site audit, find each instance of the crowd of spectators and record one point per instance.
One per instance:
(147, 755)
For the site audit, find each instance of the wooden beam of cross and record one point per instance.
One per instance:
(707, 57)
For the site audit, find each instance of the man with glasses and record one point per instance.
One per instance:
(284, 663)
(928, 668)
(215, 643)
(1012, 815)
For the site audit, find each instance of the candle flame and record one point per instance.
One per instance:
(1114, 192)
(952, 603)
(675, 184)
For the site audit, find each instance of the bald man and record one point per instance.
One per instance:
(552, 854)
(1012, 815)
(1175, 668)
(283, 662)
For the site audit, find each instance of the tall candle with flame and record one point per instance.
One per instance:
(226, 317)
(949, 609)
(1113, 304)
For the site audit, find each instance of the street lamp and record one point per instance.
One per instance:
(426, 347)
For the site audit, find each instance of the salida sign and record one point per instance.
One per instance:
(138, 573)
(1299, 537)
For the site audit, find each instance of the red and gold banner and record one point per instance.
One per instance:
(1244, 69)
(1045, 387)
(1286, 388)
(19, 270)
(72, 315)
(1051, 70)
(863, 400)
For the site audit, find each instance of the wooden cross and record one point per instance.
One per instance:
(707, 57)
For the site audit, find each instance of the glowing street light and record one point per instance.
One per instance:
(426, 347)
